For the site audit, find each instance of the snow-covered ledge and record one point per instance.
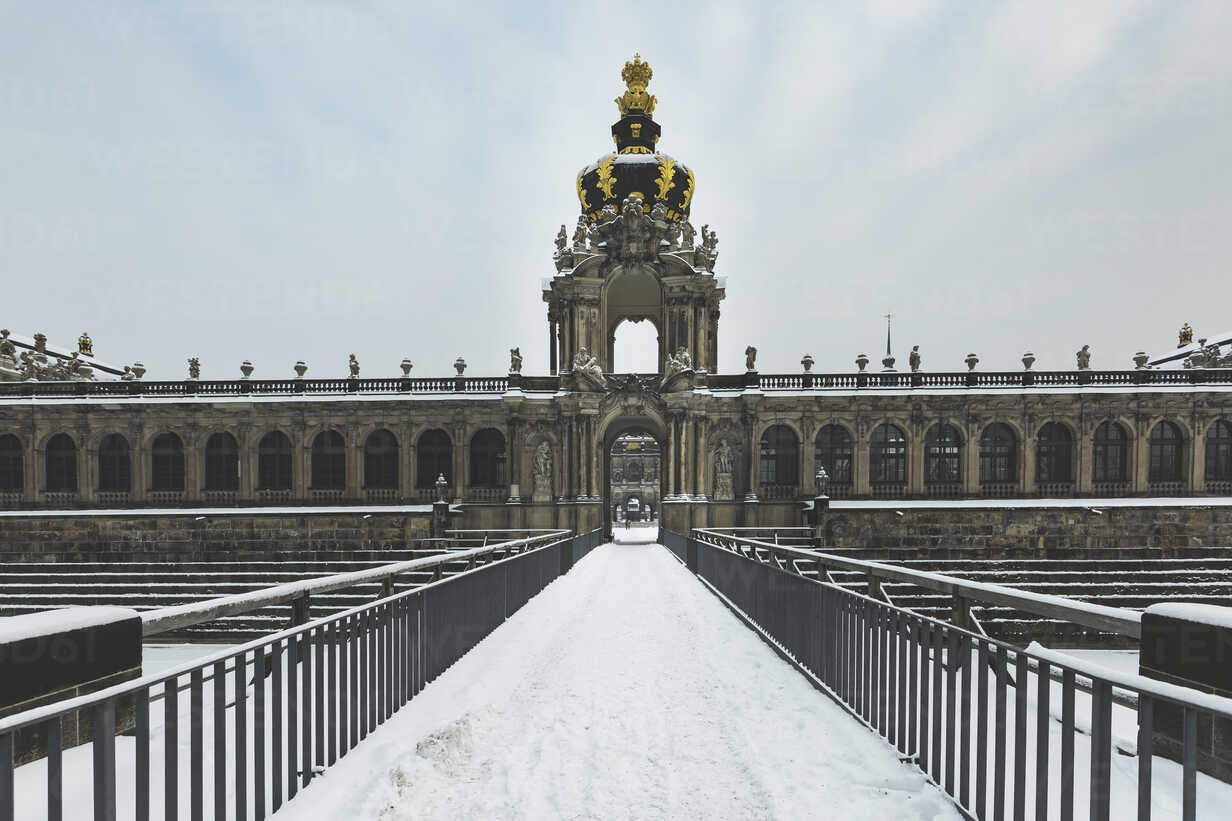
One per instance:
(1190, 645)
(58, 654)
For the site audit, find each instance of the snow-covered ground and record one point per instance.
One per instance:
(624, 690)
(158, 656)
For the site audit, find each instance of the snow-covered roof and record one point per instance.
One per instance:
(1174, 359)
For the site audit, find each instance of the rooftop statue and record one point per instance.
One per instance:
(750, 359)
(913, 359)
(515, 360)
(1084, 358)
(353, 365)
(194, 368)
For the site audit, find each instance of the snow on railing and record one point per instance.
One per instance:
(185, 615)
(1097, 616)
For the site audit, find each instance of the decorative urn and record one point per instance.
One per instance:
(862, 362)
(807, 362)
(1028, 359)
(301, 368)
(459, 364)
(246, 368)
(1141, 358)
(972, 360)
(406, 368)
(138, 370)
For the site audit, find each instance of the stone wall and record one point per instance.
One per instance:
(188, 537)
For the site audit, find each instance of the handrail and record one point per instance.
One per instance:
(1096, 616)
(165, 619)
(500, 384)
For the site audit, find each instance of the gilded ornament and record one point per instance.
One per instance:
(606, 180)
(637, 76)
(667, 170)
(582, 191)
(688, 191)
(636, 149)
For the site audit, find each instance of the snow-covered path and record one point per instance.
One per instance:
(624, 690)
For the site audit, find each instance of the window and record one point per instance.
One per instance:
(832, 451)
(943, 455)
(61, 463)
(328, 461)
(274, 462)
(488, 459)
(1218, 452)
(167, 462)
(433, 457)
(1166, 444)
(222, 462)
(998, 455)
(780, 456)
(12, 463)
(887, 456)
(381, 460)
(115, 465)
(1054, 454)
(1110, 454)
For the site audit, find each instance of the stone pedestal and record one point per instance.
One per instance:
(60, 654)
(1190, 645)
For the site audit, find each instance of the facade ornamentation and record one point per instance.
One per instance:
(1084, 358)
(724, 487)
(542, 472)
(1208, 357)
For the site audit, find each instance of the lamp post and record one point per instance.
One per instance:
(821, 504)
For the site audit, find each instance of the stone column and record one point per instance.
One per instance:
(1026, 462)
(136, 468)
(85, 478)
(552, 346)
(971, 463)
(916, 448)
(1142, 460)
(354, 463)
(406, 458)
(194, 470)
(699, 457)
(461, 460)
(752, 456)
(301, 463)
(860, 469)
(1084, 481)
(808, 462)
(247, 465)
(514, 464)
(1197, 458)
(29, 475)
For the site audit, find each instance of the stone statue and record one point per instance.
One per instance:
(8, 351)
(592, 234)
(588, 366)
(1084, 358)
(678, 363)
(608, 213)
(673, 236)
(542, 468)
(562, 239)
(686, 235)
(40, 344)
(194, 368)
(353, 364)
(659, 213)
(579, 235)
(128, 375)
(750, 359)
(723, 490)
(705, 246)
(562, 255)
(515, 360)
(914, 358)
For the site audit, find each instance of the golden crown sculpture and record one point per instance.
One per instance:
(637, 76)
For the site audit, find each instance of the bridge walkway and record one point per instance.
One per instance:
(624, 690)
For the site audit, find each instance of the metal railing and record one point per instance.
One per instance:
(962, 591)
(940, 693)
(469, 549)
(297, 701)
(500, 384)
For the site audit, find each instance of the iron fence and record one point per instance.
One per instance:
(265, 718)
(951, 701)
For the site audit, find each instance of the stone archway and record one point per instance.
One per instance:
(616, 424)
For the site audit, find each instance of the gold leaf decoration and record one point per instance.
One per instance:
(606, 180)
(688, 191)
(667, 169)
(582, 191)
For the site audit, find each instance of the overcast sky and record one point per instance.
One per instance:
(287, 180)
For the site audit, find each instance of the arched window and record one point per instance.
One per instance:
(832, 450)
(1110, 453)
(328, 461)
(167, 462)
(381, 460)
(998, 455)
(943, 455)
(115, 465)
(887, 456)
(433, 457)
(1167, 444)
(780, 456)
(274, 462)
(1219, 452)
(12, 463)
(222, 462)
(488, 459)
(61, 463)
(1054, 454)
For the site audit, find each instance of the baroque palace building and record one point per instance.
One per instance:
(518, 450)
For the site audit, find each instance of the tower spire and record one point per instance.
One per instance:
(888, 362)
